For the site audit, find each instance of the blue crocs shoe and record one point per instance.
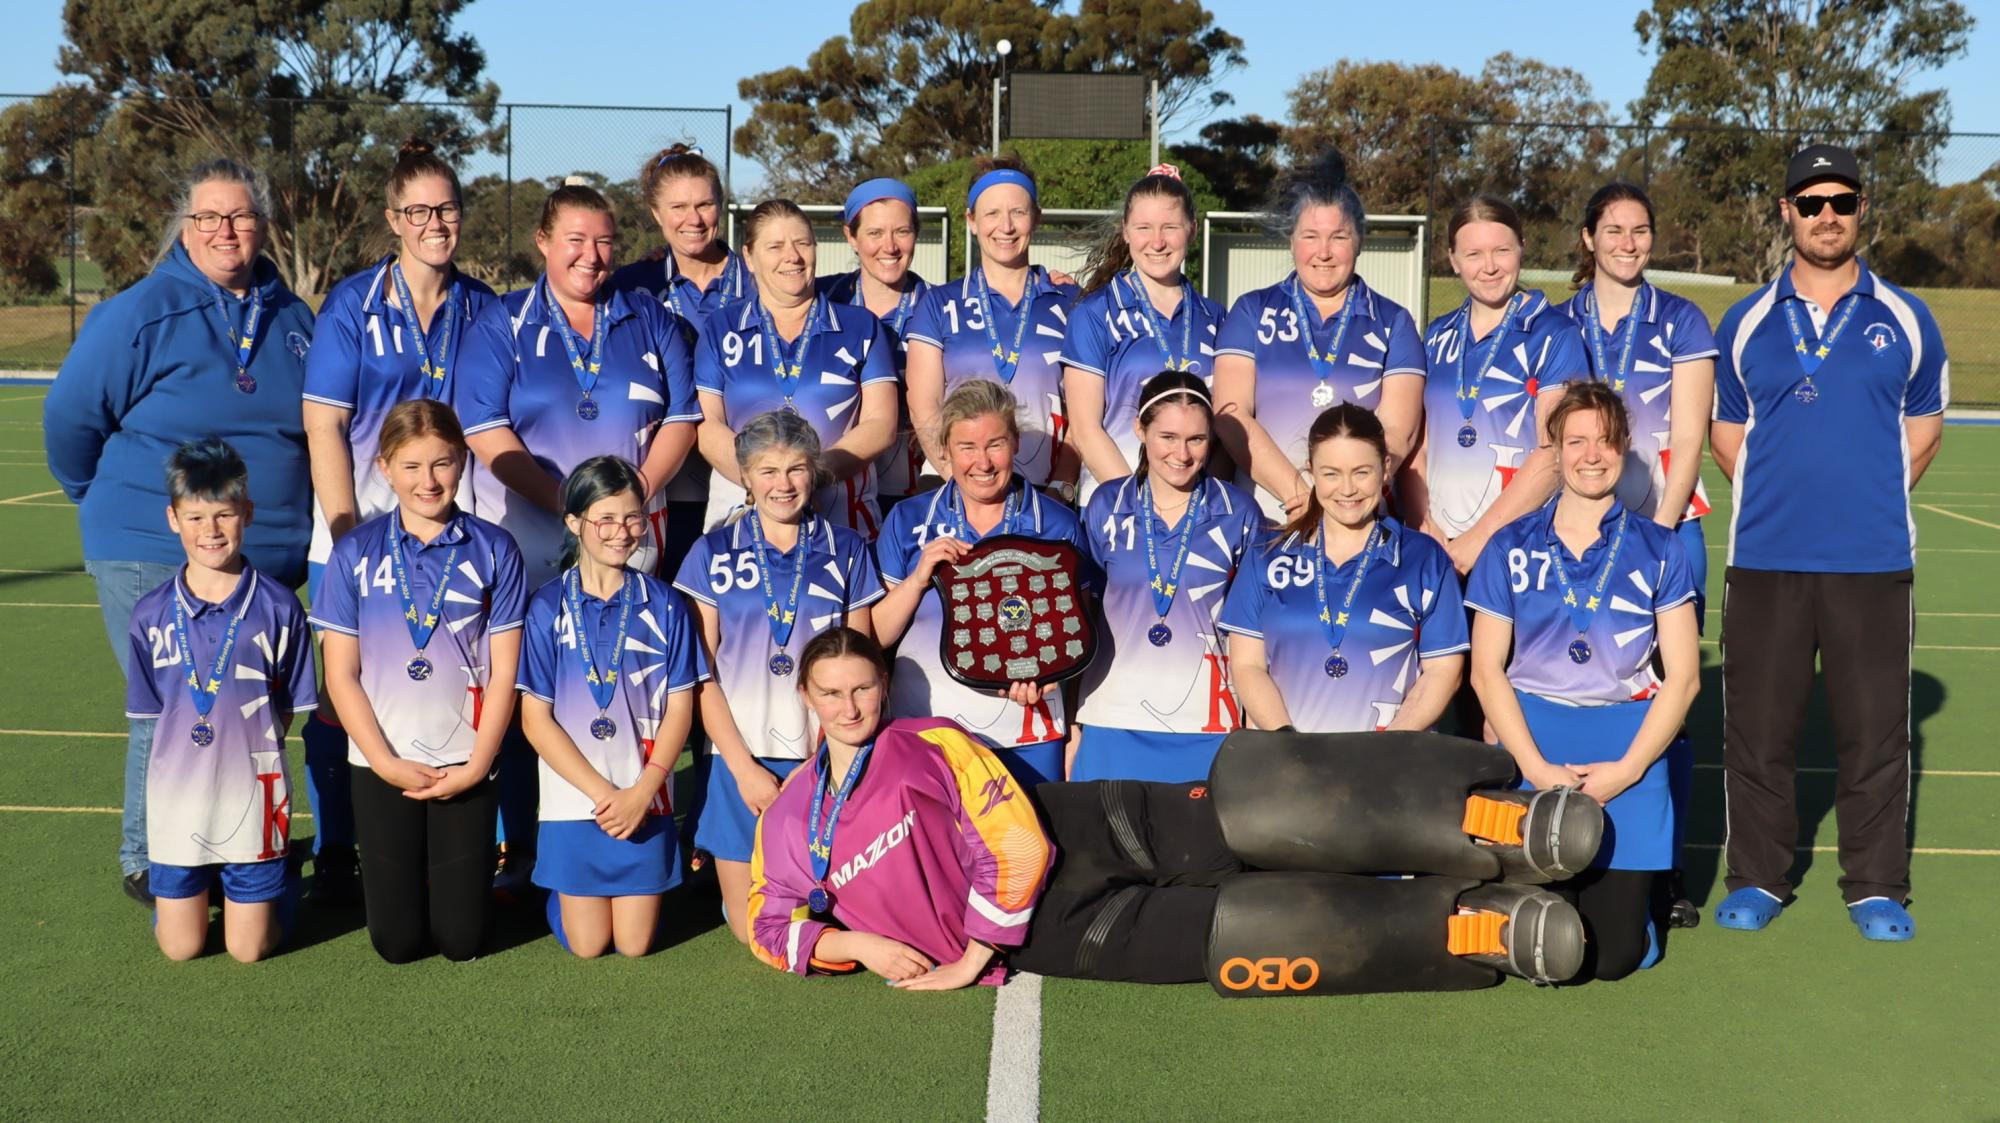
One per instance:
(1749, 909)
(1880, 918)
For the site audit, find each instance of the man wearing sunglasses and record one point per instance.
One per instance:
(1830, 394)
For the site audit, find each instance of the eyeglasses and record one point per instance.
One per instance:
(1809, 206)
(607, 527)
(419, 214)
(208, 222)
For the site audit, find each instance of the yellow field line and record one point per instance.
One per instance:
(46, 604)
(1919, 773)
(26, 498)
(48, 572)
(25, 397)
(1949, 851)
(1959, 517)
(33, 503)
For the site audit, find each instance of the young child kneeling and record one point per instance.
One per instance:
(220, 656)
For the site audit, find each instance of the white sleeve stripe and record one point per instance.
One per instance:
(1221, 351)
(1425, 371)
(144, 717)
(702, 597)
(866, 601)
(1696, 356)
(1676, 603)
(502, 423)
(1454, 650)
(329, 626)
(996, 914)
(792, 944)
(1493, 612)
(533, 693)
(1238, 629)
(496, 629)
(328, 401)
(1084, 367)
(913, 337)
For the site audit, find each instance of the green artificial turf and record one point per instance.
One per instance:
(1805, 1020)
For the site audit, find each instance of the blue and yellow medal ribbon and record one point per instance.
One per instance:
(786, 364)
(1160, 327)
(1810, 357)
(1165, 585)
(820, 846)
(204, 690)
(1006, 357)
(433, 385)
(781, 616)
(246, 341)
(1009, 513)
(1617, 375)
(603, 683)
(905, 304)
(421, 624)
(1333, 623)
(1322, 364)
(1468, 396)
(585, 368)
(1582, 612)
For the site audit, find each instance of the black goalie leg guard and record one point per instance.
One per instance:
(1539, 836)
(1314, 933)
(1356, 802)
(1527, 932)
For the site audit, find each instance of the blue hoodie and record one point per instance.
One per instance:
(153, 367)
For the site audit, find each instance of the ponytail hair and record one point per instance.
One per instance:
(1343, 420)
(594, 480)
(1483, 208)
(414, 160)
(1169, 388)
(1321, 183)
(572, 194)
(1593, 213)
(678, 161)
(1110, 255)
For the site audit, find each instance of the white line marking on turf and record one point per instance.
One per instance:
(36, 396)
(48, 572)
(29, 498)
(1014, 1069)
(1956, 515)
(1921, 773)
(32, 809)
(1712, 611)
(47, 604)
(1721, 547)
(57, 733)
(1919, 647)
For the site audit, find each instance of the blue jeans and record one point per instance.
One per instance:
(120, 584)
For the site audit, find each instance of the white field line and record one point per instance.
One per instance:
(1959, 517)
(1014, 1068)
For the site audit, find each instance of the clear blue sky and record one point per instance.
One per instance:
(693, 54)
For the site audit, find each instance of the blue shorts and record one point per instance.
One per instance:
(576, 857)
(1033, 765)
(728, 831)
(1639, 821)
(1137, 754)
(246, 883)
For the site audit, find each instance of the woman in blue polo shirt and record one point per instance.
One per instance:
(1156, 702)
(1139, 315)
(1344, 620)
(787, 348)
(388, 334)
(1318, 337)
(1027, 726)
(1655, 349)
(565, 370)
(1003, 322)
(1572, 604)
(1494, 362)
(880, 220)
(762, 587)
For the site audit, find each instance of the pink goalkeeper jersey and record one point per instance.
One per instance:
(937, 845)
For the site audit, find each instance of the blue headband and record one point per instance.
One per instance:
(874, 191)
(995, 178)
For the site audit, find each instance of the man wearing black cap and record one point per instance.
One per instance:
(1830, 391)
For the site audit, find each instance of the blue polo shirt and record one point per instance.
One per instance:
(1841, 461)
(1381, 342)
(955, 320)
(903, 461)
(1115, 335)
(1542, 350)
(1406, 610)
(1514, 580)
(660, 277)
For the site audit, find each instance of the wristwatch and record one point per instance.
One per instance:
(1063, 490)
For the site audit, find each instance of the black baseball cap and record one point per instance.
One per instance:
(1821, 161)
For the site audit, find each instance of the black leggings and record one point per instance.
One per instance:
(1614, 905)
(1133, 894)
(426, 868)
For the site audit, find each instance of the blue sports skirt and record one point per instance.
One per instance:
(1105, 753)
(728, 830)
(576, 857)
(1639, 823)
(1033, 765)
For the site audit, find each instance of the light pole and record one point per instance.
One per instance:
(1003, 48)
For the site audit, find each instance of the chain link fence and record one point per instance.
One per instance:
(1933, 222)
(85, 187)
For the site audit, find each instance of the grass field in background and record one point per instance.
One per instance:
(1805, 1020)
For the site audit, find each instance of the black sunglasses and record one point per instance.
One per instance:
(1809, 206)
